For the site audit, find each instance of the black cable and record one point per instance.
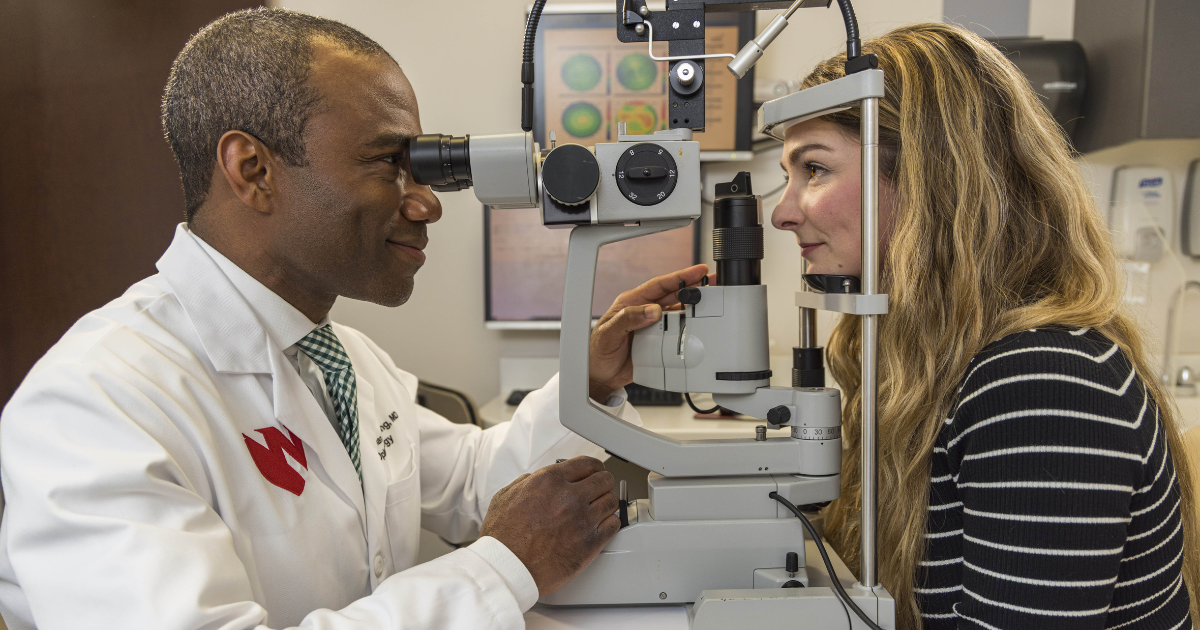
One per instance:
(527, 74)
(837, 584)
(688, 398)
(853, 45)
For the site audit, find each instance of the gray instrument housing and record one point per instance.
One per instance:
(725, 332)
(505, 171)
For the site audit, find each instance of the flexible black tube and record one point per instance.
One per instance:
(531, 25)
(847, 603)
(527, 74)
(853, 45)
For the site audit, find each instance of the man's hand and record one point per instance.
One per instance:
(611, 362)
(556, 520)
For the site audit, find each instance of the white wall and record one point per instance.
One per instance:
(1165, 275)
(1052, 19)
(462, 57)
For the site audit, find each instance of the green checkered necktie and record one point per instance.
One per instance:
(323, 347)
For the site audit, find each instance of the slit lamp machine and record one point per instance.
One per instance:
(717, 530)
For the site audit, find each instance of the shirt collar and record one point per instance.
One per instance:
(284, 323)
(237, 319)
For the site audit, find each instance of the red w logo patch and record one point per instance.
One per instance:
(273, 464)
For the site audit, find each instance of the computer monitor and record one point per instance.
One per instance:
(586, 81)
(526, 266)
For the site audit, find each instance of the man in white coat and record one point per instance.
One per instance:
(210, 451)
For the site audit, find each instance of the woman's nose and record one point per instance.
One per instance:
(786, 214)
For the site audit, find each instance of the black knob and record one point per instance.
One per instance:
(792, 564)
(646, 173)
(570, 174)
(779, 415)
(690, 295)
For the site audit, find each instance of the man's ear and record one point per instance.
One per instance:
(249, 168)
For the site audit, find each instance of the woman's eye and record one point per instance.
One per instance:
(813, 170)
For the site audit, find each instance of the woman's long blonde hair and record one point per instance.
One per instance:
(995, 232)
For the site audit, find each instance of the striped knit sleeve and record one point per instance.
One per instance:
(1046, 453)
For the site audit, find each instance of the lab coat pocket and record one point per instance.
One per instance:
(402, 513)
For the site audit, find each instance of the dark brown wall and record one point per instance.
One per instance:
(89, 192)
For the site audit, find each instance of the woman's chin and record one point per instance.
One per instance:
(824, 269)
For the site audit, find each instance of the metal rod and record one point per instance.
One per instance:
(808, 316)
(792, 9)
(869, 133)
(808, 327)
(680, 57)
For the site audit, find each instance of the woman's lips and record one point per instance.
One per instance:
(807, 248)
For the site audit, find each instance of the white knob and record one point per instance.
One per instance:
(686, 73)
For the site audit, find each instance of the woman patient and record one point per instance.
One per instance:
(1031, 470)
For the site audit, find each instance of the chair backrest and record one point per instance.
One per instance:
(451, 404)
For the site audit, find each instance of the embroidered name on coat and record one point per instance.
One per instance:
(272, 461)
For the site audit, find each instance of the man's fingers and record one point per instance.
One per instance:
(603, 506)
(631, 318)
(608, 528)
(595, 486)
(580, 467)
(655, 289)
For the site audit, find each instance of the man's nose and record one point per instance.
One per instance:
(420, 204)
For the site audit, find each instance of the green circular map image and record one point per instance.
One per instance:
(637, 71)
(639, 118)
(581, 72)
(581, 119)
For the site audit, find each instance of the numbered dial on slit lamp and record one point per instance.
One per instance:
(646, 174)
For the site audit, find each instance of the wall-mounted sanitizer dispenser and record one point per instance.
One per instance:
(1190, 225)
(1143, 204)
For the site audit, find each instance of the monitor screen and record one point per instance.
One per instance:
(527, 261)
(586, 81)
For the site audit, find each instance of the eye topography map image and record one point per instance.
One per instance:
(592, 83)
(581, 119)
(639, 118)
(581, 72)
(637, 72)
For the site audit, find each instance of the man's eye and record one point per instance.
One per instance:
(394, 158)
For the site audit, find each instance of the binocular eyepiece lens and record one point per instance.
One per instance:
(441, 162)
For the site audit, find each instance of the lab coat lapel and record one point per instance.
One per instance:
(296, 409)
(231, 334)
(374, 475)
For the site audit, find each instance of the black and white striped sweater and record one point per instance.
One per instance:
(1053, 500)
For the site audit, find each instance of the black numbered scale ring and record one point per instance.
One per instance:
(646, 174)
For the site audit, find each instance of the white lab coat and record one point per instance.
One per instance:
(134, 499)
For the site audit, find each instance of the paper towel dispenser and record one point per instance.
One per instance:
(1057, 71)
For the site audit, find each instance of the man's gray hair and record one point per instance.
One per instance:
(246, 72)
